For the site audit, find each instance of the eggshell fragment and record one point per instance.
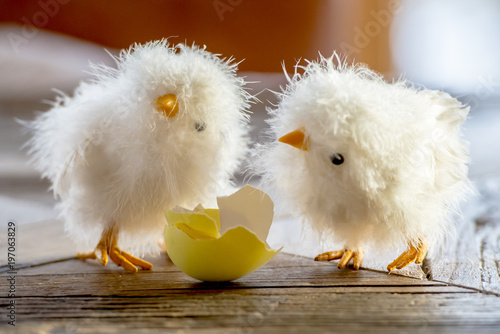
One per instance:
(195, 246)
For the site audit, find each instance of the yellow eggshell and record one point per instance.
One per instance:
(197, 225)
(214, 214)
(236, 253)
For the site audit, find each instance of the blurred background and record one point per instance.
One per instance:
(452, 45)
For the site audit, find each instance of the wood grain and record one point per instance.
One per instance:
(77, 278)
(472, 259)
(38, 243)
(264, 310)
(291, 294)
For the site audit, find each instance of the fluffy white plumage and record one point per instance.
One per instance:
(113, 158)
(404, 167)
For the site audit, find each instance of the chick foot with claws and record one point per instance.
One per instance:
(345, 257)
(108, 246)
(413, 254)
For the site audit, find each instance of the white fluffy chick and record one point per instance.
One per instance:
(368, 162)
(168, 127)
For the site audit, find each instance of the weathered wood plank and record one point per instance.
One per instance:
(290, 294)
(263, 310)
(73, 278)
(459, 262)
(39, 242)
(46, 242)
(472, 259)
(301, 240)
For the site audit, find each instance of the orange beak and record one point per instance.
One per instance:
(297, 139)
(167, 105)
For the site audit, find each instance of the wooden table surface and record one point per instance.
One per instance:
(56, 293)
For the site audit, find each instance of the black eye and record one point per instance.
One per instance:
(337, 159)
(200, 126)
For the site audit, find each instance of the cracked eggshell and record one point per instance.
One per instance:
(195, 244)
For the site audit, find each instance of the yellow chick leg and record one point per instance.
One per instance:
(413, 254)
(345, 256)
(108, 246)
